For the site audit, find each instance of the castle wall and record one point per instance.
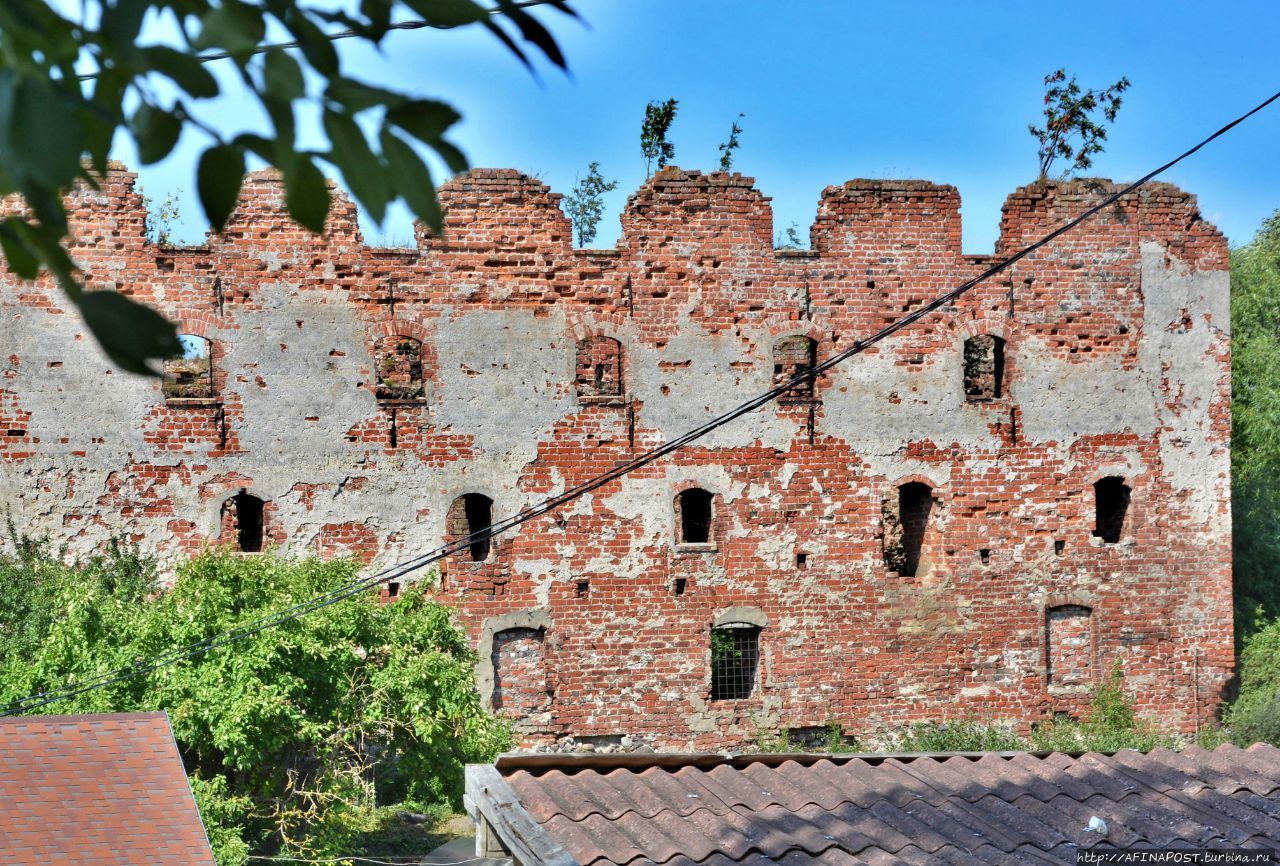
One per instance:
(596, 620)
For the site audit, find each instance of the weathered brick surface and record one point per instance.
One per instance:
(1115, 365)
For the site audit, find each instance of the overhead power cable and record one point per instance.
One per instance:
(550, 504)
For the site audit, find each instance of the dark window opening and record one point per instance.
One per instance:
(985, 555)
(582, 589)
(599, 367)
(983, 367)
(470, 514)
(1058, 546)
(679, 587)
(393, 589)
(735, 655)
(802, 560)
(190, 376)
(1111, 501)
(247, 512)
(793, 356)
(906, 522)
(693, 512)
(399, 368)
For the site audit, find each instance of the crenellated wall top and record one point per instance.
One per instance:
(504, 211)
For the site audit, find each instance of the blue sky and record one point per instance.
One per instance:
(835, 90)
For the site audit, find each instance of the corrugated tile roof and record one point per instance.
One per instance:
(840, 811)
(101, 789)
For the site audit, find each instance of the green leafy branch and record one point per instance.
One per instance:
(67, 86)
(1069, 131)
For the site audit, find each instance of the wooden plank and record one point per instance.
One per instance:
(496, 803)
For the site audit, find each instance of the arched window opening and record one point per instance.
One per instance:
(1111, 508)
(791, 357)
(1069, 643)
(190, 375)
(472, 513)
(242, 517)
(399, 368)
(599, 367)
(906, 519)
(983, 368)
(735, 658)
(694, 512)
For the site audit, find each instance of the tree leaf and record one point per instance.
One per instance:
(218, 179)
(315, 45)
(357, 96)
(21, 259)
(233, 25)
(425, 119)
(533, 31)
(45, 134)
(412, 179)
(130, 333)
(449, 13)
(360, 167)
(156, 132)
(283, 76)
(183, 70)
(306, 193)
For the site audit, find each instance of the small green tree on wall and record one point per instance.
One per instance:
(658, 117)
(585, 205)
(1070, 131)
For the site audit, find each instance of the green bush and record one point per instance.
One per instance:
(294, 736)
(1255, 715)
(1110, 725)
(830, 739)
(962, 736)
(1255, 428)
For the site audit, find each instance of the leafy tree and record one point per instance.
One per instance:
(294, 736)
(585, 205)
(653, 134)
(1255, 715)
(69, 83)
(1255, 427)
(1070, 131)
(728, 147)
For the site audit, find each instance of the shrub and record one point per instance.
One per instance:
(1110, 725)
(1255, 715)
(295, 735)
(968, 735)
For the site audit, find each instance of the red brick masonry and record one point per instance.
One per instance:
(976, 517)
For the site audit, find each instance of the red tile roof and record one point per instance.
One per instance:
(100, 789)
(987, 809)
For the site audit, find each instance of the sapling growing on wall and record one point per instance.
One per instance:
(658, 117)
(1070, 131)
(728, 147)
(585, 205)
(160, 217)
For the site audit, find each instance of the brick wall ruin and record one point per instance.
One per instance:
(974, 518)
